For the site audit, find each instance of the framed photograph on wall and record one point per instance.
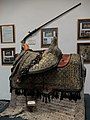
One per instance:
(83, 29)
(7, 33)
(84, 50)
(7, 56)
(47, 35)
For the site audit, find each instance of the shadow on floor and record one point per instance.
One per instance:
(7, 118)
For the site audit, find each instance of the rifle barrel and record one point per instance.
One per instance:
(34, 31)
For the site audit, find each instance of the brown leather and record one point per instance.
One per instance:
(26, 46)
(64, 61)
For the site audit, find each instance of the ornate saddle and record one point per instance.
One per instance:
(47, 72)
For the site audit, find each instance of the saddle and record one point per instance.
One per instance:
(50, 71)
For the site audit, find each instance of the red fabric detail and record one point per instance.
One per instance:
(64, 61)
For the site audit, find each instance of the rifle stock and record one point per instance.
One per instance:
(36, 30)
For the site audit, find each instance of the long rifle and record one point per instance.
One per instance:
(34, 31)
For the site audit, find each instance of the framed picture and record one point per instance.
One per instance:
(83, 29)
(7, 56)
(7, 33)
(47, 35)
(84, 50)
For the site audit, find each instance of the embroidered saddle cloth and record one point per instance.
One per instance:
(68, 75)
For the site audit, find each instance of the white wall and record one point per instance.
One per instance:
(30, 14)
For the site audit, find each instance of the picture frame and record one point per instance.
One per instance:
(7, 56)
(83, 29)
(7, 33)
(84, 50)
(47, 35)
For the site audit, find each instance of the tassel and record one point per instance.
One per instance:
(49, 98)
(45, 99)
